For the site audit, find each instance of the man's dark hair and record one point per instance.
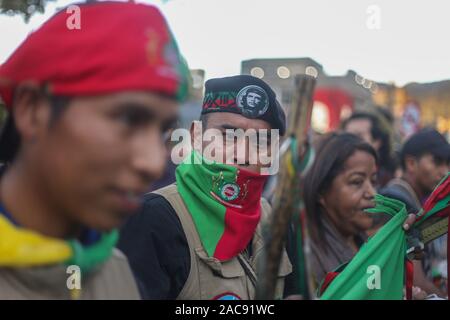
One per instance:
(438, 160)
(332, 152)
(10, 137)
(252, 90)
(403, 157)
(423, 142)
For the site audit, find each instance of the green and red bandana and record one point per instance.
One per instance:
(224, 201)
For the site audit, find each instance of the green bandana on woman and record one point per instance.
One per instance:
(224, 202)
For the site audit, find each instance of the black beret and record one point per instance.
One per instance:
(246, 95)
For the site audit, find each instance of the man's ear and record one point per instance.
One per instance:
(191, 131)
(31, 114)
(410, 163)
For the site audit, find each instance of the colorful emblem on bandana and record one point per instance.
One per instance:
(226, 191)
(253, 101)
(229, 191)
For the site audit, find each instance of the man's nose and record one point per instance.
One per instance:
(241, 150)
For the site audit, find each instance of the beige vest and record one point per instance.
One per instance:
(208, 277)
(112, 280)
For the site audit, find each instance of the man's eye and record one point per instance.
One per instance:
(166, 135)
(167, 129)
(228, 136)
(132, 119)
(169, 126)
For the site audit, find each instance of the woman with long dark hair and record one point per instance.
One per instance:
(339, 186)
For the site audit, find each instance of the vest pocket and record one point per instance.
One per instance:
(226, 269)
(220, 279)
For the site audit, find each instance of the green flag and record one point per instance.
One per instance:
(377, 271)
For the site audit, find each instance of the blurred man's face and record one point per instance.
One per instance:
(100, 156)
(428, 171)
(362, 128)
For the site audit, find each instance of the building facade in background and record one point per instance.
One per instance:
(337, 96)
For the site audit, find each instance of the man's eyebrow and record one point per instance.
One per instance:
(146, 114)
(228, 126)
(136, 107)
(268, 131)
(231, 127)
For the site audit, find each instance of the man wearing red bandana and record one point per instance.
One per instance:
(88, 109)
(200, 238)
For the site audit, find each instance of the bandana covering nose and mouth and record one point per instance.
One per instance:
(224, 202)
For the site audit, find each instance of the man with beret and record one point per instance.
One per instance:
(200, 238)
(88, 110)
(425, 160)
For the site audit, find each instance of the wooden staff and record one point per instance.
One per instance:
(294, 153)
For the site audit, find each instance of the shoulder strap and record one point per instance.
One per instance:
(171, 194)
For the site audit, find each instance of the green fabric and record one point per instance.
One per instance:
(87, 258)
(385, 250)
(194, 183)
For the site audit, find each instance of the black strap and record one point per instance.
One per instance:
(248, 269)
